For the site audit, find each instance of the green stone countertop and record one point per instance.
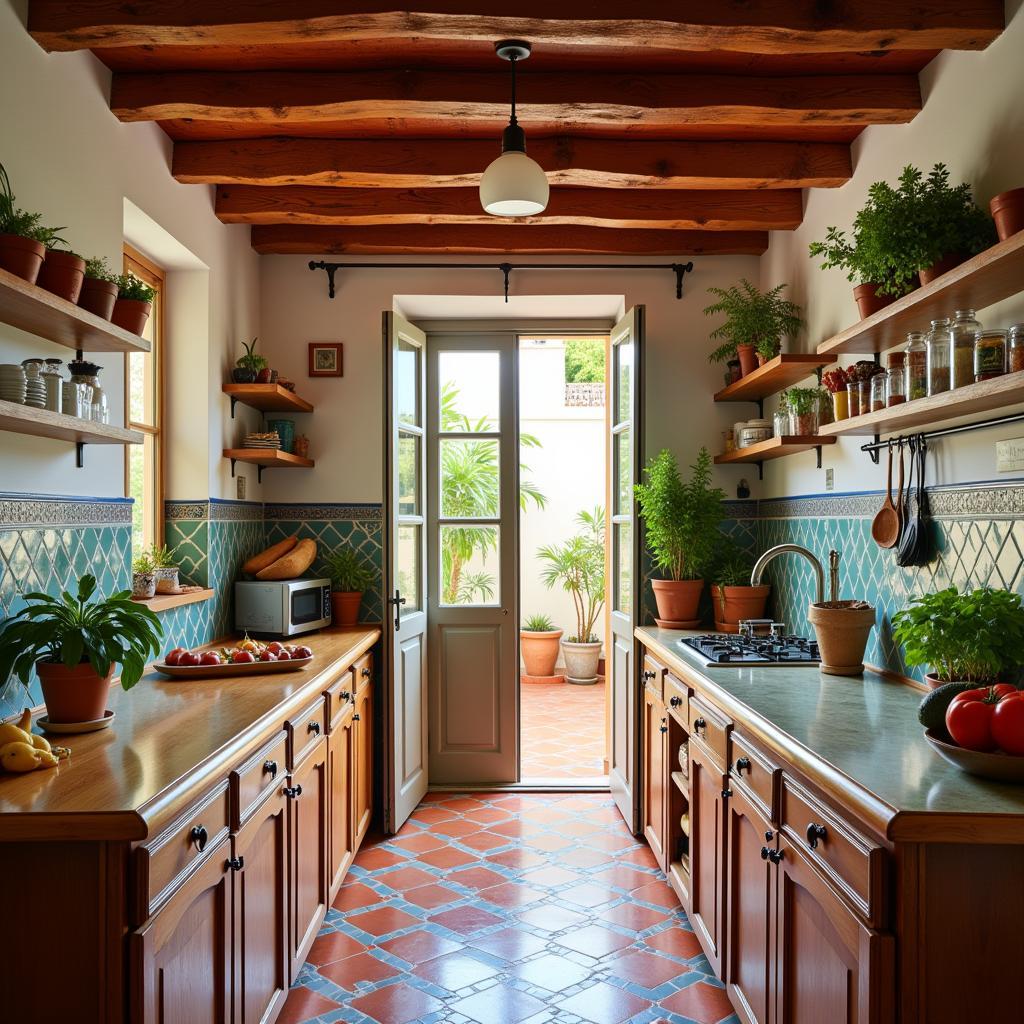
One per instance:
(860, 737)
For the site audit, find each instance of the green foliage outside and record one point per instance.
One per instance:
(538, 624)
(578, 565)
(584, 361)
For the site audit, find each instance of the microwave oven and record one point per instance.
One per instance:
(282, 607)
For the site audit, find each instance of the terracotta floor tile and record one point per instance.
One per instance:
(584, 858)
(604, 1004)
(550, 841)
(659, 893)
(465, 920)
(676, 942)
(361, 967)
(420, 946)
(457, 828)
(431, 896)
(588, 895)
(486, 815)
(551, 918)
(419, 842)
(499, 1003)
(448, 857)
(454, 971)
(304, 1004)
(354, 895)
(516, 858)
(645, 969)
(632, 915)
(402, 879)
(551, 875)
(434, 814)
(700, 1002)
(484, 841)
(595, 941)
(397, 1004)
(332, 946)
(509, 944)
(377, 857)
(475, 878)
(511, 895)
(382, 921)
(641, 856)
(622, 876)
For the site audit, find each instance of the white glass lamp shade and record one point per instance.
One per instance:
(514, 186)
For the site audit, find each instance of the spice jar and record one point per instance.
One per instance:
(989, 355)
(1015, 348)
(853, 398)
(961, 359)
(915, 365)
(895, 381)
(878, 392)
(780, 422)
(940, 338)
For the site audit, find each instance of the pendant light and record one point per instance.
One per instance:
(513, 185)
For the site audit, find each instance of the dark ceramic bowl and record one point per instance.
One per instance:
(1001, 767)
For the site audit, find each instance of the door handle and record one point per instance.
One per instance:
(397, 601)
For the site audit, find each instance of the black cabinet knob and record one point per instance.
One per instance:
(769, 836)
(765, 853)
(676, 702)
(366, 672)
(650, 674)
(293, 792)
(345, 695)
(314, 727)
(776, 856)
(270, 767)
(726, 793)
(815, 833)
(699, 724)
(199, 837)
(356, 718)
(664, 726)
(236, 863)
(742, 765)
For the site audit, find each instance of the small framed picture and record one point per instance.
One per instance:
(325, 359)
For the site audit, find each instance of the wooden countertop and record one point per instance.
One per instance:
(169, 741)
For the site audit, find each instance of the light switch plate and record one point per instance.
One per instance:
(830, 480)
(1010, 455)
(240, 487)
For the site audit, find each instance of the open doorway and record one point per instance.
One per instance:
(563, 558)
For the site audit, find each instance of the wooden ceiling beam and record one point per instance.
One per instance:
(500, 240)
(398, 100)
(420, 163)
(706, 210)
(755, 26)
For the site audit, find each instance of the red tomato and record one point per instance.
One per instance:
(268, 655)
(282, 655)
(969, 716)
(302, 652)
(210, 658)
(243, 657)
(188, 659)
(172, 656)
(275, 647)
(1008, 724)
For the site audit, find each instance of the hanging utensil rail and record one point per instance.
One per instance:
(875, 446)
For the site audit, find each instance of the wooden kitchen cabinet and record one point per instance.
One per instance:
(707, 851)
(655, 776)
(341, 810)
(362, 746)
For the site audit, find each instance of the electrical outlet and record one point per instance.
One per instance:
(240, 487)
(830, 480)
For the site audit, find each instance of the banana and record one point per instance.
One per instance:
(41, 743)
(22, 757)
(10, 733)
(25, 722)
(44, 759)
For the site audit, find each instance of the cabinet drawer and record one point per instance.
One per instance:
(305, 730)
(340, 698)
(654, 675)
(853, 864)
(677, 695)
(710, 726)
(362, 670)
(164, 862)
(264, 770)
(756, 775)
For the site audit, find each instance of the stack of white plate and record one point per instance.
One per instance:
(12, 383)
(271, 440)
(35, 392)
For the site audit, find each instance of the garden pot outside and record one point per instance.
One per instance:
(677, 599)
(748, 359)
(21, 256)
(143, 585)
(62, 273)
(539, 650)
(869, 301)
(166, 580)
(842, 629)
(581, 662)
(98, 297)
(1008, 212)
(734, 604)
(947, 263)
(74, 694)
(132, 314)
(345, 607)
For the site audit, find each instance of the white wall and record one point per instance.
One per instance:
(973, 121)
(69, 158)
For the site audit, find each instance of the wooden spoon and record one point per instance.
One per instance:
(886, 526)
(901, 509)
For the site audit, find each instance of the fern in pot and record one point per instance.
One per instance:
(732, 595)
(350, 579)
(538, 644)
(74, 644)
(133, 305)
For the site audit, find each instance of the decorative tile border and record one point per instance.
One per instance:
(329, 512)
(226, 511)
(22, 510)
(184, 511)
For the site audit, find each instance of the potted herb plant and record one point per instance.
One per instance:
(74, 643)
(248, 365)
(538, 643)
(350, 579)
(143, 577)
(835, 381)
(62, 273)
(165, 570)
(969, 637)
(578, 564)
(681, 520)
(134, 303)
(756, 322)
(733, 597)
(23, 239)
(99, 289)
(803, 405)
(1008, 211)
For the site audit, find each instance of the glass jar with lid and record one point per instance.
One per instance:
(1015, 348)
(915, 365)
(895, 380)
(989, 355)
(961, 357)
(878, 392)
(940, 339)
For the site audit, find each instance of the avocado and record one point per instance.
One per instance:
(932, 712)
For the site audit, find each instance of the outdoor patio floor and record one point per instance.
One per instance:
(563, 731)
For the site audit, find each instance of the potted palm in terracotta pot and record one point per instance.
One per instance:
(538, 643)
(350, 579)
(578, 564)
(733, 597)
(681, 520)
(74, 643)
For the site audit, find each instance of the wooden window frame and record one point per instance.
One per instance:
(156, 277)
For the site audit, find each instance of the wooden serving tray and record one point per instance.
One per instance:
(243, 668)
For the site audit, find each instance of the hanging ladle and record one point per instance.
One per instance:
(886, 526)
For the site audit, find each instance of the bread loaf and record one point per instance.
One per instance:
(271, 555)
(291, 565)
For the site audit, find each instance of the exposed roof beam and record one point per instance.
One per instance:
(755, 26)
(438, 163)
(501, 239)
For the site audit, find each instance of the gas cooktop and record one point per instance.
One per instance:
(730, 649)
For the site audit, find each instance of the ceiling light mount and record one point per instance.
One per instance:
(513, 49)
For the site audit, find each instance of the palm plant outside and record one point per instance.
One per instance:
(578, 564)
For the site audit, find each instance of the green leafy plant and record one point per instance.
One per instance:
(584, 361)
(73, 630)
(162, 558)
(733, 566)
(98, 269)
(578, 564)
(251, 361)
(949, 220)
(753, 317)
(972, 636)
(681, 517)
(538, 624)
(802, 401)
(131, 287)
(348, 574)
(142, 564)
(15, 221)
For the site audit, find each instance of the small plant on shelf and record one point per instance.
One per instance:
(131, 287)
(165, 569)
(98, 269)
(950, 223)
(134, 303)
(538, 644)
(249, 365)
(803, 405)
(23, 238)
(143, 576)
(350, 579)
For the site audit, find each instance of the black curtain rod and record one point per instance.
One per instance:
(875, 446)
(679, 269)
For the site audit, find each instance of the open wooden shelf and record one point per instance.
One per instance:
(37, 311)
(954, 408)
(164, 602)
(681, 783)
(268, 457)
(774, 448)
(266, 398)
(776, 375)
(993, 275)
(24, 419)
(679, 879)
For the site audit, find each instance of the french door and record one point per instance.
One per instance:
(472, 558)
(405, 610)
(625, 445)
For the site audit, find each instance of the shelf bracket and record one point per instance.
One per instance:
(79, 454)
(817, 373)
(817, 449)
(874, 452)
(760, 408)
(259, 472)
(760, 470)
(234, 402)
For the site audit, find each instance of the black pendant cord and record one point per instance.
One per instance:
(875, 446)
(513, 61)
(679, 269)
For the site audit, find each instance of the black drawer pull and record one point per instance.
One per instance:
(345, 695)
(742, 765)
(776, 856)
(199, 837)
(765, 853)
(236, 863)
(650, 674)
(356, 718)
(676, 702)
(769, 836)
(726, 793)
(815, 834)
(664, 725)
(270, 767)
(366, 672)
(699, 724)
(293, 792)
(314, 727)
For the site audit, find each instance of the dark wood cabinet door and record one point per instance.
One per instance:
(707, 852)
(307, 839)
(750, 880)
(655, 776)
(363, 762)
(181, 959)
(341, 819)
(260, 903)
(828, 965)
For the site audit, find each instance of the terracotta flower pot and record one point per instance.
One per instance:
(131, 314)
(581, 662)
(948, 262)
(98, 297)
(539, 650)
(62, 273)
(869, 301)
(747, 355)
(21, 256)
(1008, 212)
(842, 629)
(75, 694)
(345, 607)
(734, 604)
(677, 599)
